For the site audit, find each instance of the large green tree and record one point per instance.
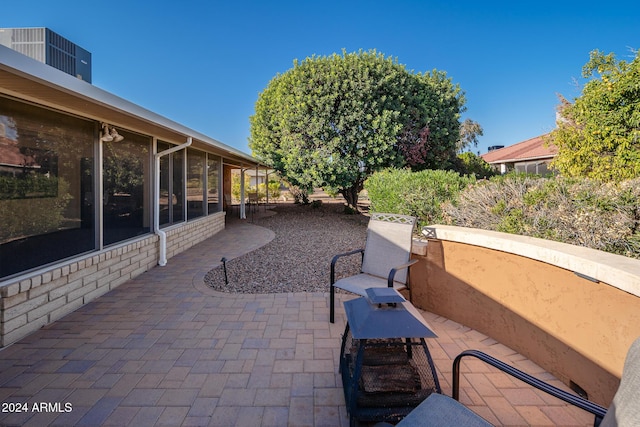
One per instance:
(598, 136)
(332, 121)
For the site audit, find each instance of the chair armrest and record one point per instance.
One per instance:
(337, 257)
(570, 398)
(392, 273)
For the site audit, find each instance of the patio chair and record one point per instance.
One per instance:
(229, 203)
(439, 410)
(385, 257)
(253, 201)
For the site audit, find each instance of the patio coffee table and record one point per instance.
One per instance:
(386, 367)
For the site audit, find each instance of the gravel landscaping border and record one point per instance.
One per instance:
(298, 258)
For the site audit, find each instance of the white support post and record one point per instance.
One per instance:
(242, 197)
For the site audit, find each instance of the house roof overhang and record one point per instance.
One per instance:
(526, 151)
(25, 78)
(522, 159)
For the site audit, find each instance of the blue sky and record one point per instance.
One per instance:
(203, 63)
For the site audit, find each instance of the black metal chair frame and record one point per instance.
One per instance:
(228, 201)
(584, 404)
(390, 278)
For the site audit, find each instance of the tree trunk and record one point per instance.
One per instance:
(351, 195)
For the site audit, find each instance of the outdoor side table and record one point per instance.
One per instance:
(386, 367)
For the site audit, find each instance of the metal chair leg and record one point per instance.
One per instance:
(332, 305)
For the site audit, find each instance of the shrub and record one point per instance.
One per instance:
(235, 185)
(418, 194)
(300, 195)
(470, 164)
(581, 212)
(274, 189)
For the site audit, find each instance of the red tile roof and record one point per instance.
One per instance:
(534, 148)
(10, 154)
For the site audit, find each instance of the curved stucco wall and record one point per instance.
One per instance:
(574, 311)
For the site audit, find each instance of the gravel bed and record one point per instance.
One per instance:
(298, 258)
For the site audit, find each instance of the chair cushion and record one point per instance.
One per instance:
(388, 245)
(625, 410)
(360, 282)
(439, 410)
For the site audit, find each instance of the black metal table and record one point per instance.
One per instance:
(385, 363)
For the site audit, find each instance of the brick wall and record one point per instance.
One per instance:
(31, 301)
(184, 237)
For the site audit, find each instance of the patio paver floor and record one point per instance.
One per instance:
(165, 349)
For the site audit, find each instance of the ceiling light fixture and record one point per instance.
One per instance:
(110, 134)
(115, 135)
(105, 137)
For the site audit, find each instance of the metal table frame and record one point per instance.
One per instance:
(351, 368)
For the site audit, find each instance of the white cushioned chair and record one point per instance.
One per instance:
(385, 257)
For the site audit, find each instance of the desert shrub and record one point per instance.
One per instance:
(414, 193)
(470, 164)
(300, 195)
(235, 185)
(274, 189)
(603, 216)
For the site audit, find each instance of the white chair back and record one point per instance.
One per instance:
(388, 245)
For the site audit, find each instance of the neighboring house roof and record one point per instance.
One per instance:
(10, 154)
(531, 149)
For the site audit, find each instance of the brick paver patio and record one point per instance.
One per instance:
(165, 349)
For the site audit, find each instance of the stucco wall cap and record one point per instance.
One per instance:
(615, 270)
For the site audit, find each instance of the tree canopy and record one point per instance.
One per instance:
(332, 121)
(598, 136)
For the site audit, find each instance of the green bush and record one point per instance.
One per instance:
(470, 164)
(603, 216)
(274, 189)
(418, 194)
(235, 185)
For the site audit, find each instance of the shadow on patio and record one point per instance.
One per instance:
(165, 349)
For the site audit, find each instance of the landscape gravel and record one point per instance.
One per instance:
(298, 258)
